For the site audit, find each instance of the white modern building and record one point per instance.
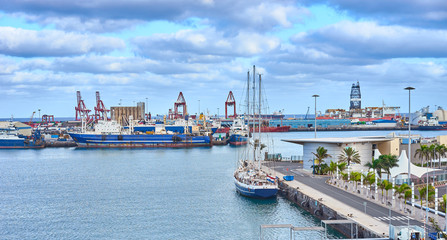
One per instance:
(369, 148)
(366, 147)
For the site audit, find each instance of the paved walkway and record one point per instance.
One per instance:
(374, 216)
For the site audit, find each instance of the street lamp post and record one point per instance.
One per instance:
(409, 132)
(315, 125)
(217, 112)
(199, 107)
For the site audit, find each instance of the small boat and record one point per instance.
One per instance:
(238, 133)
(250, 179)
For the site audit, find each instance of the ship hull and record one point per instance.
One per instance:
(273, 129)
(140, 141)
(432, 128)
(19, 144)
(255, 191)
(238, 140)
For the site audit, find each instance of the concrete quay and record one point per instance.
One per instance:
(327, 200)
(327, 207)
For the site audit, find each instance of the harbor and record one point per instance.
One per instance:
(262, 174)
(83, 185)
(223, 119)
(326, 190)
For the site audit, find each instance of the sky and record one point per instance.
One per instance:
(135, 50)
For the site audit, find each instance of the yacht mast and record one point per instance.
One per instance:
(254, 111)
(247, 113)
(259, 122)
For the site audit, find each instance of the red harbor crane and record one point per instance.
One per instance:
(31, 118)
(231, 102)
(100, 109)
(81, 110)
(47, 119)
(180, 102)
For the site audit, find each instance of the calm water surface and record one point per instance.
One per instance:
(140, 194)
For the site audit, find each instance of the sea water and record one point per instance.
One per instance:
(69, 193)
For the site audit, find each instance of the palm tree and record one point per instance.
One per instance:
(423, 153)
(332, 168)
(324, 168)
(375, 164)
(400, 191)
(432, 153)
(388, 186)
(349, 155)
(408, 194)
(443, 204)
(441, 150)
(423, 193)
(320, 155)
(344, 176)
(341, 166)
(381, 185)
(370, 179)
(356, 177)
(387, 162)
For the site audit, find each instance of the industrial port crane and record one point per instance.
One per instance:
(231, 102)
(180, 102)
(100, 109)
(31, 118)
(81, 109)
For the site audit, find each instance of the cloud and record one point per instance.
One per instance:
(416, 13)
(77, 24)
(116, 65)
(52, 43)
(103, 15)
(203, 46)
(368, 40)
(8, 66)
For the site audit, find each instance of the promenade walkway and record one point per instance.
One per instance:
(353, 203)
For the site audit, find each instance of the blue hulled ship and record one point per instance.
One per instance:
(11, 137)
(109, 134)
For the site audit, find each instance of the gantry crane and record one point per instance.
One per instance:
(180, 102)
(100, 109)
(81, 109)
(231, 102)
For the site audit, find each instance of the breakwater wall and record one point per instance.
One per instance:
(320, 210)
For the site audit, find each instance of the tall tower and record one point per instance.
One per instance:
(356, 97)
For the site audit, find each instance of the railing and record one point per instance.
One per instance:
(279, 157)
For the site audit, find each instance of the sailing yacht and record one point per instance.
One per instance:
(249, 178)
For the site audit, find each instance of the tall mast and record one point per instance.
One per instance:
(247, 114)
(254, 110)
(259, 122)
